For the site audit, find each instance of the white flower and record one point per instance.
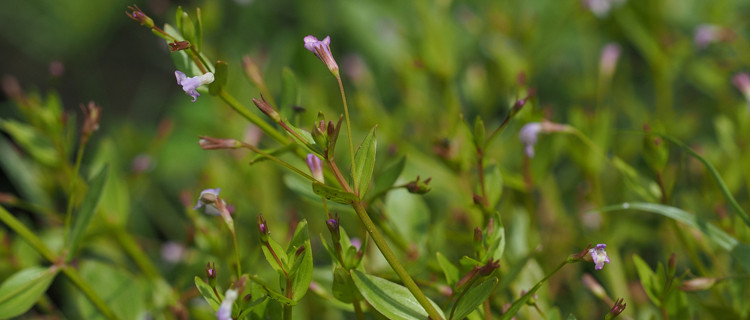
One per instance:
(225, 310)
(207, 200)
(528, 136)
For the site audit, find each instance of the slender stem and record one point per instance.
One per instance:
(541, 313)
(72, 191)
(358, 310)
(237, 254)
(325, 206)
(132, 249)
(480, 172)
(277, 160)
(339, 177)
(244, 112)
(278, 261)
(100, 304)
(27, 235)
(393, 261)
(290, 295)
(348, 131)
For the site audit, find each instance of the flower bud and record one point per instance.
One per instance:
(266, 108)
(698, 284)
(263, 228)
(139, 16)
(313, 162)
(322, 49)
(333, 227)
(617, 308)
(178, 45)
(209, 143)
(91, 113)
(418, 187)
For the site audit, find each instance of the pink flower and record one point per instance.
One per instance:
(322, 49)
(599, 255)
(313, 162)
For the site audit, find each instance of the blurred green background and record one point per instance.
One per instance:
(421, 70)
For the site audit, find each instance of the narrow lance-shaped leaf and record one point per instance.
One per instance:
(333, 194)
(364, 162)
(474, 297)
(450, 270)
(22, 290)
(394, 301)
(208, 293)
(388, 177)
(84, 214)
(303, 263)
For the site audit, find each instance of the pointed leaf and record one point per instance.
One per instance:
(716, 235)
(22, 289)
(220, 78)
(474, 297)
(84, 214)
(303, 264)
(450, 270)
(364, 162)
(198, 30)
(394, 301)
(280, 254)
(208, 293)
(333, 194)
(343, 287)
(647, 277)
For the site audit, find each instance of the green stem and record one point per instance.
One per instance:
(277, 160)
(393, 261)
(237, 254)
(349, 132)
(71, 273)
(358, 310)
(27, 235)
(100, 304)
(72, 193)
(244, 112)
(290, 295)
(541, 313)
(134, 251)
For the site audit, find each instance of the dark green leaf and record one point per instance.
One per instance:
(479, 132)
(648, 279)
(333, 194)
(21, 290)
(474, 297)
(741, 254)
(124, 293)
(198, 44)
(364, 162)
(208, 293)
(21, 173)
(83, 216)
(450, 270)
(280, 254)
(220, 78)
(392, 300)
(303, 266)
(343, 286)
(388, 177)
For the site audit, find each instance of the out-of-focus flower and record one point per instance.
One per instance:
(207, 200)
(56, 69)
(141, 163)
(599, 255)
(356, 242)
(140, 17)
(172, 251)
(322, 49)
(225, 309)
(91, 114)
(617, 308)
(191, 84)
(742, 82)
(706, 34)
(530, 133)
(209, 143)
(697, 284)
(313, 162)
(608, 60)
(601, 8)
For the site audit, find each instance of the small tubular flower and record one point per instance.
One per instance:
(322, 49)
(599, 255)
(313, 162)
(528, 136)
(191, 84)
(225, 309)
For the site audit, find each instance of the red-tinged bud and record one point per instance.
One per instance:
(618, 308)
(209, 143)
(266, 108)
(488, 268)
(300, 251)
(140, 17)
(91, 114)
(418, 187)
(263, 228)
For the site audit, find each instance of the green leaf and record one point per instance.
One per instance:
(450, 270)
(648, 278)
(741, 254)
(22, 289)
(496, 244)
(392, 300)
(198, 44)
(493, 184)
(289, 93)
(303, 264)
(83, 217)
(364, 162)
(32, 141)
(280, 253)
(520, 302)
(388, 177)
(716, 235)
(333, 194)
(178, 17)
(220, 78)
(187, 28)
(208, 293)
(124, 293)
(479, 132)
(343, 287)
(474, 297)
(21, 173)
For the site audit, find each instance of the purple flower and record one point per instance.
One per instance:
(322, 49)
(608, 60)
(742, 82)
(601, 8)
(528, 135)
(208, 199)
(599, 255)
(313, 162)
(706, 34)
(190, 84)
(225, 309)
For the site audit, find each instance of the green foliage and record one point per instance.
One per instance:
(20, 291)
